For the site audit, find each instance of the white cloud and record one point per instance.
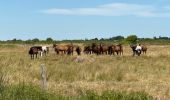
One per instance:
(114, 9)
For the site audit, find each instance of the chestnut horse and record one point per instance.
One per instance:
(63, 48)
(144, 49)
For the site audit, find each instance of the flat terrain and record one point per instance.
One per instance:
(149, 73)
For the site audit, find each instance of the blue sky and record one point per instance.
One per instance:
(80, 19)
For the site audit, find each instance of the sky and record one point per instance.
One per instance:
(83, 19)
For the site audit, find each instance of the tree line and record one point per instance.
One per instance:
(131, 39)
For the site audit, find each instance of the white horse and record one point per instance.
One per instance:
(45, 50)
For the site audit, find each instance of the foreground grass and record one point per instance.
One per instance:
(105, 76)
(30, 92)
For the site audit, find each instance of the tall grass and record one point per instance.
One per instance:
(106, 75)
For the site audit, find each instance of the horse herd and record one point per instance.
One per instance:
(98, 49)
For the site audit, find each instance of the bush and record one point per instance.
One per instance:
(132, 39)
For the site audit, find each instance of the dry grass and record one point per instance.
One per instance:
(149, 73)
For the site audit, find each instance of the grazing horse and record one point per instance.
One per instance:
(96, 48)
(87, 49)
(34, 51)
(103, 48)
(135, 51)
(119, 49)
(78, 50)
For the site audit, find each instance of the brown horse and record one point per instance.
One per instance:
(144, 49)
(63, 48)
(119, 49)
(78, 50)
(87, 50)
(34, 51)
(104, 48)
(70, 50)
(96, 48)
(111, 49)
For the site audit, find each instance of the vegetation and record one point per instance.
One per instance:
(111, 77)
(117, 39)
(132, 39)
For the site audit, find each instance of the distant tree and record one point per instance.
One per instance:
(102, 39)
(165, 38)
(95, 38)
(154, 37)
(35, 40)
(117, 38)
(14, 40)
(49, 40)
(132, 39)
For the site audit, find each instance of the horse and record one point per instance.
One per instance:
(135, 52)
(103, 48)
(34, 51)
(119, 49)
(87, 50)
(45, 50)
(70, 50)
(96, 48)
(111, 49)
(144, 49)
(63, 48)
(78, 50)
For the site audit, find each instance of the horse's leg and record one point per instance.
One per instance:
(134, 52)
(31, 56)
(117, 52)
(41, 53)
(122, 52)
(72, 52)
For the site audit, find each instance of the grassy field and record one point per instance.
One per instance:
(148, 74)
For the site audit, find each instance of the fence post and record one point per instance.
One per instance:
(43, 76)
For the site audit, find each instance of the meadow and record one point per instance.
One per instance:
(98, 77)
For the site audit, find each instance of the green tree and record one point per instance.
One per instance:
(49, 40)
(132, 39)
(35, 40)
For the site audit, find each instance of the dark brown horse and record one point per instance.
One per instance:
(96, 48)
(78, 50)
(34, 51)
(87, 50)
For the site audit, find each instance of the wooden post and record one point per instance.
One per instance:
(43, 76)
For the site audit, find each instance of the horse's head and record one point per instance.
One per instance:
(133, 46)
(54, 45)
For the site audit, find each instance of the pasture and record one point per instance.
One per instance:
(148, 73)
